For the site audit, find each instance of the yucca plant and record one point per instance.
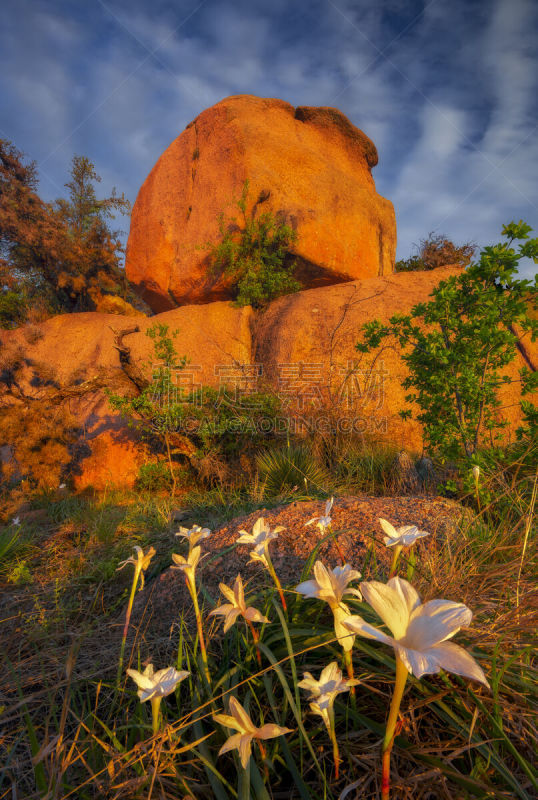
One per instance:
(291, 469)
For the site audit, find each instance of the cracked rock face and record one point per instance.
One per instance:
(310, 166)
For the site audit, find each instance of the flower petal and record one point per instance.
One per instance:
(362, 628)
(308, 588)
(253, 615)
(389, 529)
(221, 610)
(231, 744)
(271, 730)
(245, 749)
(241, 716)
(228, 593)
(389, 604)
(436, 621)
(239, 593)
(417, 662)
(231, 617)
(142, 681)
(227, 721)
(454, 658)
(408, 592)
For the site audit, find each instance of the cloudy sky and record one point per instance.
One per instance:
(447, 90)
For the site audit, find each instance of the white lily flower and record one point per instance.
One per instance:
(401, 537)
(324, 692)
(237, 606)
(419, 630)
(156, 684)
(16, 520)
(140, 561)
(194, 534)
(61, 486)
(188, 565)
(476, 472)
(331, 585)
(240, 721)
(260, 538)
(324, 521)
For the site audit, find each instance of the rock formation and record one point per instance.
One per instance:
(302, 345)
(311, 166)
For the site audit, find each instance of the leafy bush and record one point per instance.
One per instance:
(203, 426)
(13, 306)
(456, 347)
(255, 255)
(289, 469)
(436, 250)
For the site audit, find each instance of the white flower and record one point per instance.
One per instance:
(158, 684)
(326, 520)
(61, 486)
(260, 537)
(419, 630)
(240, 721)
(16, 520)
(188, 565)
(476, 472)
(401, 537)
(194, 534)
(331, 585)
(323, 692)
(237, 606)
(140, 560)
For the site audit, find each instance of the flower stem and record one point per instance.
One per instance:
(388, 741)
(336, 752)
(126, 625)
(263, 753)
(274, 576)
(348, 661)
(395, 559)
(256, 637)
(194, 595)
(155, 708)
(337, 545)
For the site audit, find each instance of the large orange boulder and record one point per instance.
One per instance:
(310, 166)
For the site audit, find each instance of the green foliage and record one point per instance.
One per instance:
(13, 308)
(255, 254)
(457, 345)
(436, 250)
(291, 469)
(153, 477)
(59, 256)
(204, 423)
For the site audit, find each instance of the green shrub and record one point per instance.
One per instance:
(203, 426)
(457, 345)
(13, 308)
(289, 469)
(255, 254)
(436, 250)
(153, 477)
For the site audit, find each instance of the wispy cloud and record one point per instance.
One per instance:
(446, 90)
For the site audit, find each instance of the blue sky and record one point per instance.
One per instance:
(448, 91)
